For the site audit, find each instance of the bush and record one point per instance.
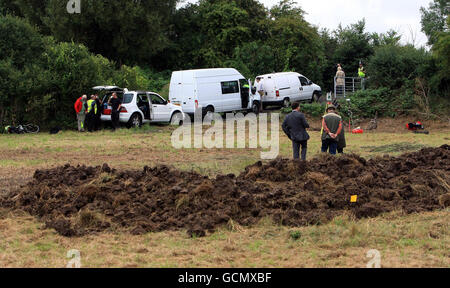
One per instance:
(392, 66)
(367, 103)
(314, 110)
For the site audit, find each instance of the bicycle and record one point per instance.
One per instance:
(23, 129)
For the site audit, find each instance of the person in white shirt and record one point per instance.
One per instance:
(260, 87)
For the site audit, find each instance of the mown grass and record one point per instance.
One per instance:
(404, 241)
(135, 148)
(420, 240)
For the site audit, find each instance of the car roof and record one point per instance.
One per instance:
(107, 88)
(141, 91)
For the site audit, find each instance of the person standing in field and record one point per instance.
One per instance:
(362, 75)
(340, 81)
(116, 105)
(332, 128)
(80, 109)
(91, 112)
(342, 143)
(260, 87)
(98, 115)
(295, 126)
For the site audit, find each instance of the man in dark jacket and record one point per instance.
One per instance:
(295, 126)
(98, 115)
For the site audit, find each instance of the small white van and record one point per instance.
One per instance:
(219, 90)
(288, 87)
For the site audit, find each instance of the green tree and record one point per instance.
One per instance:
(128, 32)
(208, 33)
(22, 47)
(354, 45)
(441, 54)
(391, 37)
(434, 19)
(395, 66)
(33, 11)
(330, 45)
(296, 44)
(253, 59)
(9, 7)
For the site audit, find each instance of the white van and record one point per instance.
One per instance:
(288, 87)
(218, 90)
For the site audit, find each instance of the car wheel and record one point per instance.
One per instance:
(135, 121)
(315, 98)
(177, 119)
(287, 103)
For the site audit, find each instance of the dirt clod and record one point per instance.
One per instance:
(76, 201)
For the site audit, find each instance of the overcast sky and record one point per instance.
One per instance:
(381, 15)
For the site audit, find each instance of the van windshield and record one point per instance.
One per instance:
(127, 98)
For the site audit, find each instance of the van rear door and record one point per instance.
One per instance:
(296, 88)
(283, 87)
(182, 90)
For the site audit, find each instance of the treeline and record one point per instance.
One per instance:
(50, 57)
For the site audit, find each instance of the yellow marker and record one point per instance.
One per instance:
(354, 198)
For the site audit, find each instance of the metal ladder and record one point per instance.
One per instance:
(351, 85)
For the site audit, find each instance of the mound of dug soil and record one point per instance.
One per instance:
(80, 200)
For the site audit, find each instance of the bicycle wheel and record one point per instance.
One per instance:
(31, 129)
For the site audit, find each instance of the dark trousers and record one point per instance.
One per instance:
(115, 119)
(329, 144)
(90, 119)
(296, 146)
(98, 121)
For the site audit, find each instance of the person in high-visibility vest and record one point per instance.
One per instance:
(91, 111)
(362, 75)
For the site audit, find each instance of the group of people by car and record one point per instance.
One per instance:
(89, 112)
(333, 135)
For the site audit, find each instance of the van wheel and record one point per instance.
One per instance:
(255, 108)
(287, 103)
(315, 98)
(177, 119)
(209, 111)
(135, 121)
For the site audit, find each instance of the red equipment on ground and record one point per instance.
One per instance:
(415, 126)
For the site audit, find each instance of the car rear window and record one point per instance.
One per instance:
(127, 98)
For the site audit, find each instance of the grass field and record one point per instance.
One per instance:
(403, 241)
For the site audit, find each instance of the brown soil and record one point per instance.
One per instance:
(76, 201)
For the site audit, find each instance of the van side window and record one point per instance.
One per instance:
(230, 87)
(304, 81)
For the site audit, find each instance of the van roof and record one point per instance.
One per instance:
(279, 74)
(210, 72)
